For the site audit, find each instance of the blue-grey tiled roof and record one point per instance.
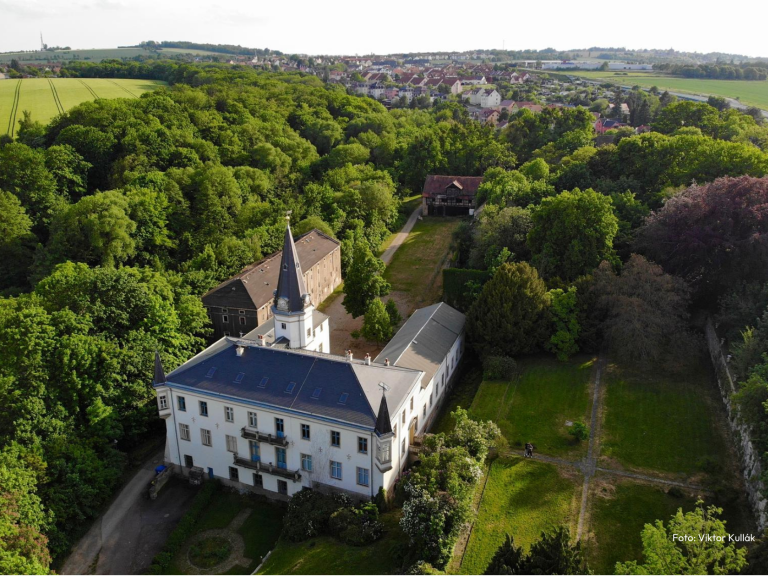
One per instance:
(309, 371)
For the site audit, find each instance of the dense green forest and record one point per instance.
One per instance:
(119, 214)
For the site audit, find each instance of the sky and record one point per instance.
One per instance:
(360, 27)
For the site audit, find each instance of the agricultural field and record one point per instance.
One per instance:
(45, 98)
(751, 93)
(95, 54)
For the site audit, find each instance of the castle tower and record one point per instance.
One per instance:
(292, 306)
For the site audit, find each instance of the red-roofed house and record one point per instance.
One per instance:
(450, 195)
(604, 124)
(535, 108)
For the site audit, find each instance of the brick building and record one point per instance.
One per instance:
(244, 302)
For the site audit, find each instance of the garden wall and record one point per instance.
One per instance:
(749, 456)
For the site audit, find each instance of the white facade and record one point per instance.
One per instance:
(218, 459)
(276, 413)
(279, 451)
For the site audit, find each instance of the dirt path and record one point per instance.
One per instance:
(133, 529)
(342, 324)
(386, 257)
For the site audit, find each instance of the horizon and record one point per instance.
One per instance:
(363, 31)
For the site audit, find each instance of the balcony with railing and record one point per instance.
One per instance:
(260, 466)
(256, 436)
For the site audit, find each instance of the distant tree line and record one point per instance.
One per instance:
(223, 48)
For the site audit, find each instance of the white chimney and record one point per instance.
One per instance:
(239, 350)
(386, 361)
(261, 339)
(367, 359)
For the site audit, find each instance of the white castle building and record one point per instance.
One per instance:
(274, 412)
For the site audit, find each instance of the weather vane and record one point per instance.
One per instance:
(383, 387)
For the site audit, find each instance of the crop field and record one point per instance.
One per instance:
(94, 55)
(45, 98)
(754, 93)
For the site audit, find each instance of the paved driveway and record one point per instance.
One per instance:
(134, 528)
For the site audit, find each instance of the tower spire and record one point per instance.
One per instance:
(159, 372)
(383, 423)
(291, 294)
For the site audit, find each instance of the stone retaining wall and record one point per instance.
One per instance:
(748, 454)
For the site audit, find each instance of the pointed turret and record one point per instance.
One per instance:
(291, 294)
(383, 423)
(159, 372)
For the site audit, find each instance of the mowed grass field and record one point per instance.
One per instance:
(619, 510)
(46, 98)
(751, 93)
(522, 498)
(536, 406)
(416, 266)
(662, 422)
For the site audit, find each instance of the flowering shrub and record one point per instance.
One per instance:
(438, 492)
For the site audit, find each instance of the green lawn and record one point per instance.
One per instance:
(522, 498)
(748, 92)
(666, 423)
(326, 555)
(536, 405)
(618, 513)
(260, 530)
(415, 267)
(36, 95)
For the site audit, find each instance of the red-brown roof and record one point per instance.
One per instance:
(253, 287)
(467, 184)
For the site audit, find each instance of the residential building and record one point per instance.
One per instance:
(485, 98)
(244, 302)
(276, 414)
(450, 195)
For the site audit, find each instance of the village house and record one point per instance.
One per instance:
(243, 302)
(489, 116)
(533, 107)
(485, 98)
(473, 80)
(604, 124)
(450, 195)
(274, 413)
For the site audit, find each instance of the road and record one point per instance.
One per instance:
(133, 529)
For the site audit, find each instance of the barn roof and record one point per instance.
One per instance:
(436, 184)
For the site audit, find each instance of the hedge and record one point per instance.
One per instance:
(184, 529)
